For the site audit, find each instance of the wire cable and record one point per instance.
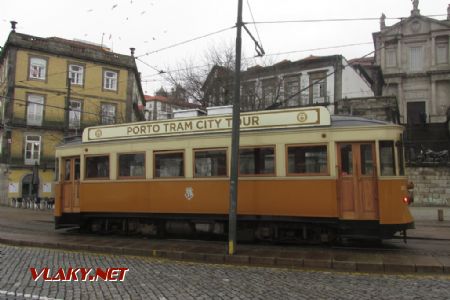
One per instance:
(186, 41)
(331, 20)
(254, 24)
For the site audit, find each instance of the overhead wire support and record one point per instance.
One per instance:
(234, 169)
(256, 28)
(259, 50)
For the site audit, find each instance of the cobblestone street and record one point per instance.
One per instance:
(150, 278)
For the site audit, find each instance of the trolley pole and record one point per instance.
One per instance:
(232, 216)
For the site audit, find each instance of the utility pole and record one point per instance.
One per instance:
(232, 214)
(67, 106)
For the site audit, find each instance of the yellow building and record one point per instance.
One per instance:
(50, 90)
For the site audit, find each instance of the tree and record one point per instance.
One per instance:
(191, 76)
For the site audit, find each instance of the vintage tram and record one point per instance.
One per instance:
(303, 175)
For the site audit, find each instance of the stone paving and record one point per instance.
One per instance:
(427, 252)
(150, 278)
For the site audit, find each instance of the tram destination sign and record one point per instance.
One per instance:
(286, 118)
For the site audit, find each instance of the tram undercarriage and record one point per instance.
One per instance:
(249, 228)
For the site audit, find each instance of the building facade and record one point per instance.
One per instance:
(161, 107)
(51, 89)
(315, 80)
(414, 56)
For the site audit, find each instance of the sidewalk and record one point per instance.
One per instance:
(24, 227)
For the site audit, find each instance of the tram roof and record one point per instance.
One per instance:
(334, 121)
(348, 121)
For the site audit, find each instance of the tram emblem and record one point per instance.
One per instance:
(302, 117)
(98, 133)
(189, 193)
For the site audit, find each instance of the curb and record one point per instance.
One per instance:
(393, 265)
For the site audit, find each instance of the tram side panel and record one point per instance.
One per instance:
(295, 198)
(393, 210)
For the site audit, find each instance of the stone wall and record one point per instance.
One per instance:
(431, 185)
(383, 108)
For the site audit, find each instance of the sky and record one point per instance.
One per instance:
(167, 33)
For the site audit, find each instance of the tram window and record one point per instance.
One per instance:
(307, 160)
(401, 161)
(366, 159)
(210, 163)
(77, 168)
(67, 170)
(169, 164)
(97, 167)
(56, 176)
(387, 161)
(132, 165)
(346, 160)
(257, 161)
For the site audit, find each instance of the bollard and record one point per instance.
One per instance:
(440, 215)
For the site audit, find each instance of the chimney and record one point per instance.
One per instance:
(132, 51)
(13, 25)
(448, 12)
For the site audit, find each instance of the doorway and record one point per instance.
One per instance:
(70, 182)
(357, 181)
(27, 187)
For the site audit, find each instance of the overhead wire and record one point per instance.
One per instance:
(45, 105)
(185, 41)
(267, 54)
(331, 20)
(254, 24)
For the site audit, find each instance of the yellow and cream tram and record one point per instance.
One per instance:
(303, 175)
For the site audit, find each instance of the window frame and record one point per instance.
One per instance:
(86, 157)
(391, 57)
(155, 153)
(80, 101)
(32, 160)
(260, 147)
(102, 104)
(269, 88)
(30, 65)
(318, 79)
(416, 65)
(394, 160)
(287, 146)
(32, 103)
(105, 78)
(69, 72)
(442, 43)
(130, 177)
(291, 82)
(194, 151)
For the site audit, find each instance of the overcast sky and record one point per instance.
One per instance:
(153, 25)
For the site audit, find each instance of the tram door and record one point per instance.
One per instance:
(70, 182)
(357, 183)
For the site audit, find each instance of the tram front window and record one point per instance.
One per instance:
(387, 161)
